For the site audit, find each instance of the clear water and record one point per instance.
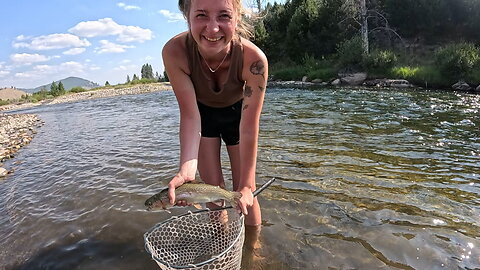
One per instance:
(365, 180)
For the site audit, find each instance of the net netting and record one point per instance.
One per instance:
(206, 239)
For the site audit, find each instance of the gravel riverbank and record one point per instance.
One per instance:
(17, 130)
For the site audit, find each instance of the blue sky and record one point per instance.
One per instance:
(102, 40)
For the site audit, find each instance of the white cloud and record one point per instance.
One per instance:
(172, 17)
(23, 75)
(74, 51)
(49, 42)
(108, 27)
(128, 7)
(4, 73)
(27, 59)
(125, 68)
(21, 38)
(109, 47)
(40, 71)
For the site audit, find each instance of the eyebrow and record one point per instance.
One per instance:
(221, 11)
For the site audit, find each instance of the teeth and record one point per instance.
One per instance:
(213, 39)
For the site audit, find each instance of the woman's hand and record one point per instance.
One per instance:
(177, 181)
(245, 201)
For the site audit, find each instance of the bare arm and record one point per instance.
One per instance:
(190, 126)
(255, 74)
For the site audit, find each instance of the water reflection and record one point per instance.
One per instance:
(365, 180)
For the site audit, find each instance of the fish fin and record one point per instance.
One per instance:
(236, 197)
(197, 205)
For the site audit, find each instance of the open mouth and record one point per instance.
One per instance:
(212, 39)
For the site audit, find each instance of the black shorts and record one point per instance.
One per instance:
(221, 122)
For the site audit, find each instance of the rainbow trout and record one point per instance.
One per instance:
(193, 193)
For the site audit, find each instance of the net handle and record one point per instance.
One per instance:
(255, 193)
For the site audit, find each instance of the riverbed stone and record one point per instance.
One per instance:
(461, 86)
(3, 172)
(477, 89)
(353, 78)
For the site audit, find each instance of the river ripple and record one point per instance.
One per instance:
(365, 180)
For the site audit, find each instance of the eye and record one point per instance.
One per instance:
(225, 16)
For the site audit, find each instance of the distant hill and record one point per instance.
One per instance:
(11, 93)
(68, 83)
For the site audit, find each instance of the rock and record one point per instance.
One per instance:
(461, 86)
(304, 79)
(3, 172)
(353, 78)
(336, 82)
(316, 81)
(399, 83)
(478, 89)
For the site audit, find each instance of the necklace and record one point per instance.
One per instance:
(211, 69)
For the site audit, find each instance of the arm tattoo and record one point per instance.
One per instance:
(248, 91)
(245, 107)
(257, 68)
(261, 88)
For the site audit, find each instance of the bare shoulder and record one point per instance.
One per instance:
(174, 52)
(255, 61)
(252, 53)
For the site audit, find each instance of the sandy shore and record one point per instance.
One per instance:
(17, 130)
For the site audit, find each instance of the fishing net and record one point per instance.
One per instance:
(205, 239)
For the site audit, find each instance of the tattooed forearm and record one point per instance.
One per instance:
(245, 107)
(257, 68)
(248, 91)
(261, 88)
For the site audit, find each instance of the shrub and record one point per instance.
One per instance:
(457, 60)
(288, 74)
(350, 53)
(325, 74)
(4, 102)
(422, 76)
(77, 89)
(380, 60)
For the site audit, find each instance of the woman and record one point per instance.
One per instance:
(219, 80)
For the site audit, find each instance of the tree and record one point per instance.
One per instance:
(54, 89)
(128, 78)
(107, 83)
(147, 72)
(165, 77)
(60, 89)
(135, 78)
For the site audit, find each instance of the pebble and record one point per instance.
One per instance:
(16, 131)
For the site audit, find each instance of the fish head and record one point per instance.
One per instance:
(157, 201)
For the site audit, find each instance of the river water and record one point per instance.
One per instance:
(366, 179)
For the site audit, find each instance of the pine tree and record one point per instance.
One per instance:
(128, 78)
(54, 89)
(135, 78)
(107, 83)
(147, 71)
(60, 89)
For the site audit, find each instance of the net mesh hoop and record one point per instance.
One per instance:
(173, 218)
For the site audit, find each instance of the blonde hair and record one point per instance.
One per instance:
(244, 29)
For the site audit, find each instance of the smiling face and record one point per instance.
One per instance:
(212, 25)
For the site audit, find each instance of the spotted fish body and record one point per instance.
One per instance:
(193, 193)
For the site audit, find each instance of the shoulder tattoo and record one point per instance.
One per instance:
(257, 68)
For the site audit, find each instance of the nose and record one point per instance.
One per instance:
(212, 26)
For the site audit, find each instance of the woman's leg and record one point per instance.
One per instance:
(254, 217)
(209, 164)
